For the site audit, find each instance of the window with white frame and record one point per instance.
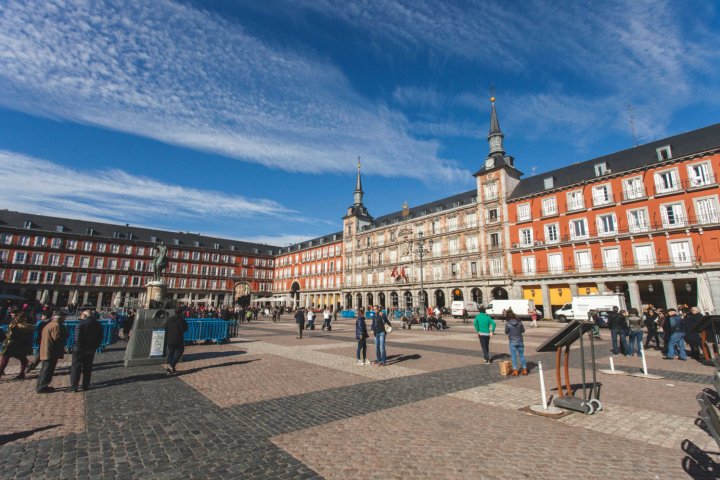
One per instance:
(6, 238)
(82, 278)
(24, 241)
(555, 263)
(606, 224)
(601, 195)
(601, 169)
(496, 266)
(575, 200)
(4, 255)
(84, 262)
(33, 277)
(681, 253)
(66, 278)
(664, 153)
(548, 182)
(437, 249)
(552, 233)
(453, 246)
(492, 215)
(19, 257)
(16, 276)
(523, 212)
(526, 237)
(528, 265)
(549, 206)
(611, 258)
(583, 261)
(491, 191)
(95, 280)
(706, 210)
(49, 277)
(638, 220)
(452, 224)
(437, 272)
(494, 239)
(470, 220)
(673, 215)
(633, 188)
(471, 243)
(56, 243)
(37, 258)
(39, 241)
(667, 181)
(699, 175)
(578, 229)
(644, 256)
(473, 268)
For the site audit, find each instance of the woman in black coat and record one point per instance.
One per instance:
(175, 339)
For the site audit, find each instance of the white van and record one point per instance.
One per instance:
(457, 307)
(582, 304)
(497, 308)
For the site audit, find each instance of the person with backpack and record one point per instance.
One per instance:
(380, 327)
(485, 328)
(514, 329)
(677, 335)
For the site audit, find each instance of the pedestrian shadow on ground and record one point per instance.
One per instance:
(149, 377)
(697, 463)
(499, 356)
(393, 359)
(11, 437)
(215, 354)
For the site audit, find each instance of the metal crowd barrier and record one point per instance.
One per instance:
(208, 330)
(347, 314)
(110, 334)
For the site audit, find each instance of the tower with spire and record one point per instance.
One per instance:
(357, 214)
(497, 159)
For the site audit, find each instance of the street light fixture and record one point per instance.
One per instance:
(420, 250)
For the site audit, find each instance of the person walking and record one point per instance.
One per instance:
(175, 339)
(18, 343)
(676, 325)
(693, 336)
(326, 319)
(635, 325)
(52, 349)
(361, 335)
(300, 321)
(128, 324)
(533, 316)
(378, 328)
(88, 338)
(465, 315)
(44, 320)
(515, 329)
(485, 328)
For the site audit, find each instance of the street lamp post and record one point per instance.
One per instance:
(419, 249)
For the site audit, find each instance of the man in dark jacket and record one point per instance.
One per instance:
(618, 327)
(300, 320)
(692, 337)
(175, 339)
(88, 338)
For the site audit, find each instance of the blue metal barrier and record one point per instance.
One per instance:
(110, 334)
(207, 329)
(401, 313)
(347, 314)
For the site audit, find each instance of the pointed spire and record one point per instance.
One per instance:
(495, 137)
(358, 195)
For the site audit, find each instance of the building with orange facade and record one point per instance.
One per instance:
(310, 272)
(643, 221)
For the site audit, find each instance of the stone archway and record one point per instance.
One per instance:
(394, 299)
(439, 298)
(477, 295)
(359, 299)
(457, 295)
(408, 296)
(348, 301)
(370, 300)
(381, 299)
(499, 293)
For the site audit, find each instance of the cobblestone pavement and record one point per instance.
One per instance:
(268, 405)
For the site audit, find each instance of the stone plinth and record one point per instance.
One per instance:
(154, 290)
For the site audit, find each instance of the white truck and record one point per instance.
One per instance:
(456, 308)
(521, 308)
(582, 304)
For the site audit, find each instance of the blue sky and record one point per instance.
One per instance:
(245, 119)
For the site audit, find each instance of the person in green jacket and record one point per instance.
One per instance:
(485, 328)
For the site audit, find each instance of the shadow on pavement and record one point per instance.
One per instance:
(215, 354)
(226, 364)
(11, 437)
(393, 359)
(697, 463)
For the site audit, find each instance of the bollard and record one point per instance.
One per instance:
(642, 354)
(612, 370)
(645, 373)
(542, 387)
(612, 365)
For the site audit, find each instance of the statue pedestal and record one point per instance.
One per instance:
(154, 291)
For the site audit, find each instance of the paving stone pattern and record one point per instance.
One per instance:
(270, 406)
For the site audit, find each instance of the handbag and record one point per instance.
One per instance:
(388, 328)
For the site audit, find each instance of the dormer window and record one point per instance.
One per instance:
(176, 241)
(664, 153)
(27, 224)
(116, 234)
(601, 169)
(232, 248)
(549, 182)
(196, 243)
(59, 228)
(153, 239)
(216, 246)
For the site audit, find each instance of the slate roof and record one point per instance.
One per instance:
(688, 143)
(313, 242)
(447, 203)
(108, 231)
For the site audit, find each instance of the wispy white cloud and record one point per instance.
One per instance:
(187, 77)
(280, 240)
(584, 61)
(42, 187)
